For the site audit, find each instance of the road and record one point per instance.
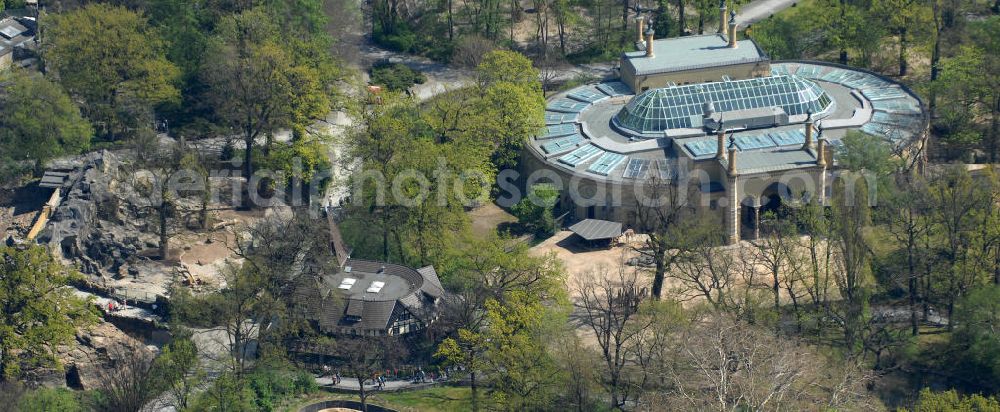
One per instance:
(760, 10)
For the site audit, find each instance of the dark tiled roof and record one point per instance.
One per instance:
(595, 229)
(354, 308)
(377, 314)
(432, 285)
(336, 309)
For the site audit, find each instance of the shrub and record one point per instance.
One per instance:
(536, 211)
(396, 76)
(50, 399)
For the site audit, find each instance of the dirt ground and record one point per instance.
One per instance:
(19, 207)
(487, 218)
(581, 261)
(205, 254)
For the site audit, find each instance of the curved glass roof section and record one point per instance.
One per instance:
(678, 107)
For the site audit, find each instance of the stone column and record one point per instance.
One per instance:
(733, 214)
(733, 225)
(756, 220)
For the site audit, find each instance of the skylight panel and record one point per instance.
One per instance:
(347, 283)
(563, 144)
(636, 168)
(606, 163)
(580, 155)
(375, 287)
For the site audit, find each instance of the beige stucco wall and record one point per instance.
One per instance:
(617, 201)
(708, 74)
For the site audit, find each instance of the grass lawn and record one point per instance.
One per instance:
(439, 398)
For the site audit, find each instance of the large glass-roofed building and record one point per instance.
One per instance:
(687, 106)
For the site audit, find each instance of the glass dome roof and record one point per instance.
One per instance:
(678, 107)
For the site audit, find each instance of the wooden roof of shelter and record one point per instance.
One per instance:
(596, 229)
(54, 180)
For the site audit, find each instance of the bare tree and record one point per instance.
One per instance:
(157, 186)
(727, 365)
(908, 223)
(663, 216)
(129, 382)
(364, 356)
(609, 305)
(709, 273)
(775, 252)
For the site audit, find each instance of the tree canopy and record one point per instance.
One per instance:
(110, 58)
(38, 121)
(37, 310)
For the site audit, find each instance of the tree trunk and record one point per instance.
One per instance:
(475, 397)
(385, 235)
(661, 271)
(451, 22)
(362, 394)
(902, 53)
(912, 286)
(562, 35)
(164, 238)
(775, 288)
(624, 38)
(680, 19)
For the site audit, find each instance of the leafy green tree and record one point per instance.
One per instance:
(509, 114)
(39, 121)
(951, 400)
(396, 76)
(970, 89)
(908, 20)
(511, 353)
(111, 59)
(975, 347)
(852, 259)
(962, 208)
(227, 393)
(37, 310)
(511, 107)
(50, 400)
(864, 152)
(178, 371)
(255, 84)
(503, 66)
(785, 37)
(535, 211)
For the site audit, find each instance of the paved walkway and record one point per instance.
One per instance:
(128, 311)
(351, 384)
(760, 10)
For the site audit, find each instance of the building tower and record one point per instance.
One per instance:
(722, 17)
(732, 29)
(639, 20)
(720, 153)
(649, 40)
(809, 131)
